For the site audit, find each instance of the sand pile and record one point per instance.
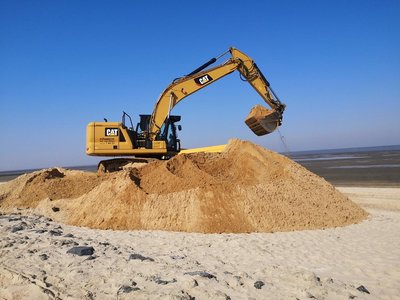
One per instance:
(246, 188)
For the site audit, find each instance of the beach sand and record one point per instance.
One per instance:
(360, 261)
(44, 259)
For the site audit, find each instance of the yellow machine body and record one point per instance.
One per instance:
(155, 135)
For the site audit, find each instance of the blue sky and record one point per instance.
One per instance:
(63, 64)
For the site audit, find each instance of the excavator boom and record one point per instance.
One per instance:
(260, 120)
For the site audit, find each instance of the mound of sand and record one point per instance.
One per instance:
(246, 188)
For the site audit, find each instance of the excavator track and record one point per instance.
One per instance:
(119, 164)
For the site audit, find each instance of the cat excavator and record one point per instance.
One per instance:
(155, 135)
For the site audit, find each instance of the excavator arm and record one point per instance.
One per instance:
(260, 120)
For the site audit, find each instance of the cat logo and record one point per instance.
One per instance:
(111, 131)
(200, 81)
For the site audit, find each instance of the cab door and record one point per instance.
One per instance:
(171, 138)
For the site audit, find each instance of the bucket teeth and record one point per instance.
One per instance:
(262, 120)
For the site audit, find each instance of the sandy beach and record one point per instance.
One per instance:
(41, 257)
(360, 261)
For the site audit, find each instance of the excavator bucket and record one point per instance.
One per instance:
(262, 120)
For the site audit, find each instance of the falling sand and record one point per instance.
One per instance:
(246, 188)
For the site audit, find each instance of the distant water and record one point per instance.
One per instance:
(362, 154)
(366, 166)
(346, 150)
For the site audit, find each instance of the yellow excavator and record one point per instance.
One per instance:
(155, 136)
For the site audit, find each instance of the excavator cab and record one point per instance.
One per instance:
(169, 135)
(167, 132)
